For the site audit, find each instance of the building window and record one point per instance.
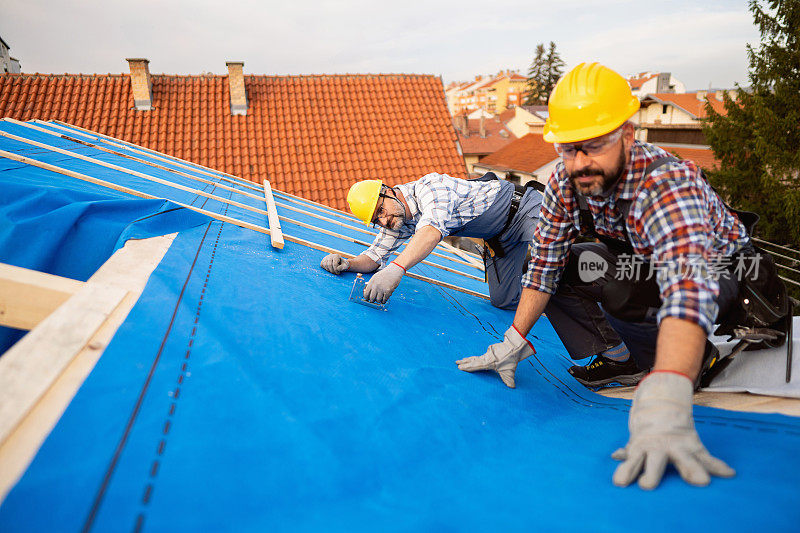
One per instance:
(664, 109)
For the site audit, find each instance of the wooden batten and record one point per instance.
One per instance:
(276, 236)
(27, 297)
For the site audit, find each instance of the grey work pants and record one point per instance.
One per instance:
(586, 330)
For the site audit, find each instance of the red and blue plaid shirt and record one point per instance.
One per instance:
(675, 216)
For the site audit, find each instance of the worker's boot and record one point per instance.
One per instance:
(602, 372)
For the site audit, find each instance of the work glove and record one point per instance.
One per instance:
(335, 263)
(662, 430)
(502, 357)
(383, 283)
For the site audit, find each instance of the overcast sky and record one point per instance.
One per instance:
(701, 43)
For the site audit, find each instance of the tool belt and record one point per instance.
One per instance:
(493, 244)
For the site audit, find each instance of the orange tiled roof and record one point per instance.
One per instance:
(637, 81)
(525, 154)
(475, 144)
(703, 157)
(688, 102)
(312, 136)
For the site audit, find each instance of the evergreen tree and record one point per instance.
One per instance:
(546, 69)
(758, 139)
(554, 66)
(535, 77)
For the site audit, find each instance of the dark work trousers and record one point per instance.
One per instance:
(504, 274)
(584, 327)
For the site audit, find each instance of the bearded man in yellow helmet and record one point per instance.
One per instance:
(433, 207)
(641, 205)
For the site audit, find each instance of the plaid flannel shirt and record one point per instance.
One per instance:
(675, 217)
(439, 201)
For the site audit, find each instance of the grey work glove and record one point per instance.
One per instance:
(662, 430)
(383, 283)
(502, 357)
(335, 263)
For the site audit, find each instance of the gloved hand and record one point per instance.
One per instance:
(383, 283)
(335, 263)
(662, 430)
(502, 357)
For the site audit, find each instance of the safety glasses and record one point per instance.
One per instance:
(591, 148)
(380, 211)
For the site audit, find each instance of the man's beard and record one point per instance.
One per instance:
(608, 179)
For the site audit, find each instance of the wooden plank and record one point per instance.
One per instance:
(31, 366)
(223, 218)
(276, 236)
(730, 401)
(136, 173)
(262, 198)
(206, 195)
(468, 262)
(27, 297)
(128, 270)
(126, 190)
(162, 157)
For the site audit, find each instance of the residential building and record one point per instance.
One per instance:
(480, 137)
(676, 118)
(645, 83)
(519, 120)
(312, 136)
(529, 158)
(7, 63)
(492, 93)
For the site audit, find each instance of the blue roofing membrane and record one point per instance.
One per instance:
(245, 393)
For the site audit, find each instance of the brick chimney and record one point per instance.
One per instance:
(141, 83)
(483, 126)
(465, 125)
(236, 82)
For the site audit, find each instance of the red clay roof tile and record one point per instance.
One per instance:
(687, 102)
(332, 129)
(525, 154)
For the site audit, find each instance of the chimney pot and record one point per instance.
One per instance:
(141, 83)
(237, 88)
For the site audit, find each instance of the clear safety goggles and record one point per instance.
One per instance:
(593, 147)
(380, 211)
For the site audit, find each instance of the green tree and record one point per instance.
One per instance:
(546, 69)
(535, 76)
(757, 140)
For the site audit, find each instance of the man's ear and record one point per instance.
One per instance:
(628, 134)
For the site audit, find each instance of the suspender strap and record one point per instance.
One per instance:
(494, 242)
(587, 219)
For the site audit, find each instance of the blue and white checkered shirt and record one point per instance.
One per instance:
(439, 201)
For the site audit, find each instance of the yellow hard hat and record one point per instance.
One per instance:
(363, 198)
(589, 101)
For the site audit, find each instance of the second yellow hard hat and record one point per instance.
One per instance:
(363, 198)
(589, 101)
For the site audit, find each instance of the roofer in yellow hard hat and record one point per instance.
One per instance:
(433, 207)
(652, 217)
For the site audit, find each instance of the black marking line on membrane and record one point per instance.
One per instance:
(167, 425)
(136, 408)
(456, 304)
(197, 196)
